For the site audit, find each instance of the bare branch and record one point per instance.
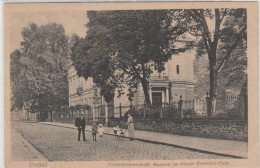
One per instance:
(194, 34)
(231, 49)
(143, 69)
(206, 44)
(126, 71)
(136, 72)
(204, 25)
(223, 15)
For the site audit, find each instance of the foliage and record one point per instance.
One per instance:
(124, 47)
(38, 69)
(170, 112)
(221, 35)
(189, 113)
(80, 106)
(233, 76)
(233, 113)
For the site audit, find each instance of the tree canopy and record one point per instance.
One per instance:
(38, 69)
(125, 47)
(221, 35)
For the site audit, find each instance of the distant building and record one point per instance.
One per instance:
(164, 88)
(83, 92)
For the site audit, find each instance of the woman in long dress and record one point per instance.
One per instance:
(131, 129)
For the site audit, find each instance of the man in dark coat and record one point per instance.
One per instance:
(77, 121)
(81, 124)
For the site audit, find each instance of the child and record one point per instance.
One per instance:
(116, 130)
(94, 130)
(100, 130)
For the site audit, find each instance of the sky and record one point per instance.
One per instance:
(73, 22)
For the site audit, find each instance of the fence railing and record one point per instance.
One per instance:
(231, 107)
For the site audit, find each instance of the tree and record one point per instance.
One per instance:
(125, 47)
(233, 76)
(38, 69)
(218, 33)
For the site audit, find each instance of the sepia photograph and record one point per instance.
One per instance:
(131, 85)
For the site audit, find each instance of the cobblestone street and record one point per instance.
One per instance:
(60, 144)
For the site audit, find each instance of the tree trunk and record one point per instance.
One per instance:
(146, 93)
(213, 85)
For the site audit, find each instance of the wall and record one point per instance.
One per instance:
(22, 115)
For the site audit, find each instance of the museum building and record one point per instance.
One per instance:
(177, 80)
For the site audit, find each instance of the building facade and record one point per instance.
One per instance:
(84, 92)
(177, 80)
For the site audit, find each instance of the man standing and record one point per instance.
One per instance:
(81, 124)
(77, 121)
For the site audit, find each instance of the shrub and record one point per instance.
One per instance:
(170, 112)
(189, 113)
(234, 113)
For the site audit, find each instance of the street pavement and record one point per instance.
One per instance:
(236, 149)
(58, 143)
(22, 150)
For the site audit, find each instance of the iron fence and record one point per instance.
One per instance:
(230, 107)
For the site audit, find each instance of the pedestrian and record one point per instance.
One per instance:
(131, 129)
(101, 130)
(77, 121)
(94, 131)
(81, 127)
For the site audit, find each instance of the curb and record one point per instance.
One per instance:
(163, 143)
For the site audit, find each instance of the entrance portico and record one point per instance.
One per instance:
(159, 93)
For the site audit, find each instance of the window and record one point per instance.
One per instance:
(177, 69)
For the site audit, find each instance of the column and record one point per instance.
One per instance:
(94, 111)
(167, 95)
(163, 98)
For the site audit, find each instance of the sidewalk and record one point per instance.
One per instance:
(236, 149)
(22, 150)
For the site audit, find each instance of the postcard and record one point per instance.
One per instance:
(131, 84)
